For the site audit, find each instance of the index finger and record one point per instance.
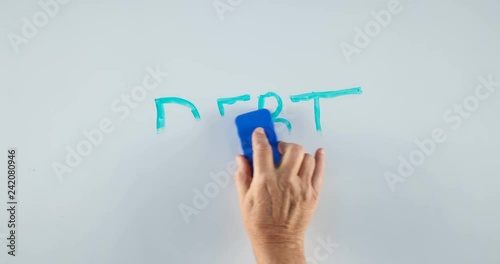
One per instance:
(262, 152)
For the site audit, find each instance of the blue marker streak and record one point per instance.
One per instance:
(160, 110)
(317, 95)
(278, 110)
(230, 101)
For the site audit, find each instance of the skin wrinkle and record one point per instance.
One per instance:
(271, 209)
(291, 209)
(284, 206)
(278, 203)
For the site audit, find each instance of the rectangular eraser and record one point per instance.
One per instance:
(247, 123)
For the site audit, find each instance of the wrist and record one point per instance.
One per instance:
(289, 252)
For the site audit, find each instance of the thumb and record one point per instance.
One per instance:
(242, 177)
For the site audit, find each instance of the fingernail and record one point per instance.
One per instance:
(322, 151)
(261, 135)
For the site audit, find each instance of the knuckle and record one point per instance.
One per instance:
(285, 172)
(297, 148)
(286, 180)
(262, 147)
(284, 185)
(260, 181)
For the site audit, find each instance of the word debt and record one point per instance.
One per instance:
(222, 102)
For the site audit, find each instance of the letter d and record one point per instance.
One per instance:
(51, 7)
(221, 178)
(361, 40)
(405, 169)
(427, 146)
(73, 159)
(383, 17)
(199, 201)
(28, 29)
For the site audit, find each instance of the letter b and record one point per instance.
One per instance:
(50, 6)
(199, 200)
(221, 178)
(405, 169)
(361, 40)
(28, 29)
(427, 146)
(95, 136)
(72, 158)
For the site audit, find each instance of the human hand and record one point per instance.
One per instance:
(277, 204)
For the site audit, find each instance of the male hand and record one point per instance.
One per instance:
(278, 202)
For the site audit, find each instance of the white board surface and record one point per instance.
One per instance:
(429, 72)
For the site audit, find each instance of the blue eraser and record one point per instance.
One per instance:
(247, 123)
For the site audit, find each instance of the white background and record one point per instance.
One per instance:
(120, 205)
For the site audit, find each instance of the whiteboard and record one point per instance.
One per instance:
(412, 163)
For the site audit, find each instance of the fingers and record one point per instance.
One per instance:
(243, 176)
(262, 152)
(293, 162)
(280, 146)
(307, 169)
(293, 155)
(319, 170)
